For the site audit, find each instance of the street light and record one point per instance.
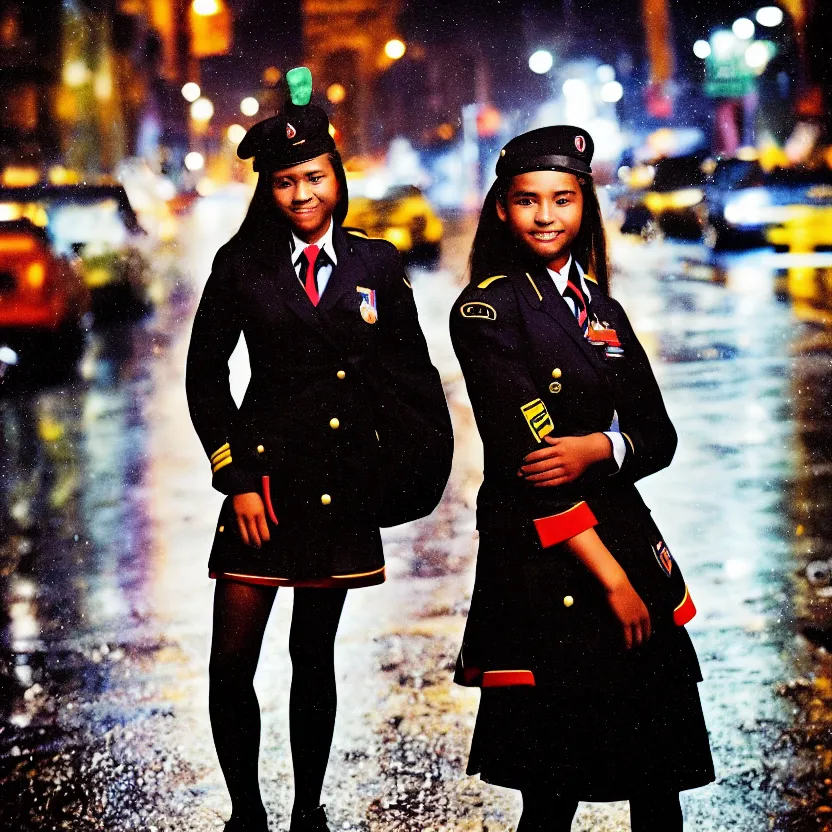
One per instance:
(541, 61)
(202, 110)
(770, 16)
(395, 49)
(743, 28)
(191, 91)
(249, 106)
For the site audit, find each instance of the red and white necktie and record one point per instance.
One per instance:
(577, 296)
(310, 284)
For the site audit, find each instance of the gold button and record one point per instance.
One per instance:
(568, 601)
(341, 374)
(260, 449)
(221, 528)
(334, 424)
(555, 387)
(326, 499)
(503, 152)
(556, 373)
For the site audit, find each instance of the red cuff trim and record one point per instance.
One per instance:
(507, 678)
(559, 527)
(685, 611)
(267, 499)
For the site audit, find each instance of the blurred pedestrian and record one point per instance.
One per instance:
(576, 630)
(342, 394)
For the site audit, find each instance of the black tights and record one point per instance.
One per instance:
(551, 813)
(240, 615)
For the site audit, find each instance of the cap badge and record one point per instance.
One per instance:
(290, 131)
(580, 144)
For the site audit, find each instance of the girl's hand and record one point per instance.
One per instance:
(630, 610)
(564, 459)
(251, 518)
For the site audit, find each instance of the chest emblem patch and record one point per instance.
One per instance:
(663, 556)
(477, 309)
(368, 309)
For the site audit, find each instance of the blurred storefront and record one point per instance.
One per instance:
(89, 83)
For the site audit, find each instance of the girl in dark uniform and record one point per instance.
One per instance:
(576, 630)
(331, 329)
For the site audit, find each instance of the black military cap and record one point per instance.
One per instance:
(560, 147)
(294, 136)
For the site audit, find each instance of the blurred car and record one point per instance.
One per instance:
(670, 200)
(403, 216)
(43, 298)
(97, 224)
(786, 207)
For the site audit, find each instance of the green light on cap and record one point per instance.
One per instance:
(299, 81)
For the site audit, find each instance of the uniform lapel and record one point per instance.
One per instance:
(273, 250)
(343, 275)
(556, 308)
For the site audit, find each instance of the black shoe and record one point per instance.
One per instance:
(250, 823)
(314, 821)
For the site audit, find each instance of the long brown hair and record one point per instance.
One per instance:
(497, 251)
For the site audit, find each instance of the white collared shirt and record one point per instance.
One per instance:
(560, 279)
(324, 244)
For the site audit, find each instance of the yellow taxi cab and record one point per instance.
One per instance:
(403, 216)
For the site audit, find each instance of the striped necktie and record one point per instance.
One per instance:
(574, 293)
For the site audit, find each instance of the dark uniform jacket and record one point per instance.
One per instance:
(310, 433)
(537, 615)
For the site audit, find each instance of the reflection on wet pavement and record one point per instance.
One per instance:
(106, 514)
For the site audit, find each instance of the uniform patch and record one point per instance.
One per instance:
(477, 309)
(538, 419)
(663, 557)
(368, 309)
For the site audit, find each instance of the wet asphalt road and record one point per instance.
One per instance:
(106, 516)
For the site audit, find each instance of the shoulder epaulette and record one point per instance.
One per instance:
(489, 280)
(358, 232)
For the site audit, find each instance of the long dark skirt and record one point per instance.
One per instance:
(609, 745)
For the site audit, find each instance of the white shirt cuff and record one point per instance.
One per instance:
(619, 449)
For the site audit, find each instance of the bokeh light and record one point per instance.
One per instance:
(236, 133)
(194, 161)
(206, 8)
(336, 93)
(202, 110)
(394, 49)
(249, 106)
(605, 73)
(743, 28)
(611, 92)
(541, 61)
(757, 55)
(191, 91)
(702, 49)
(770, 16)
